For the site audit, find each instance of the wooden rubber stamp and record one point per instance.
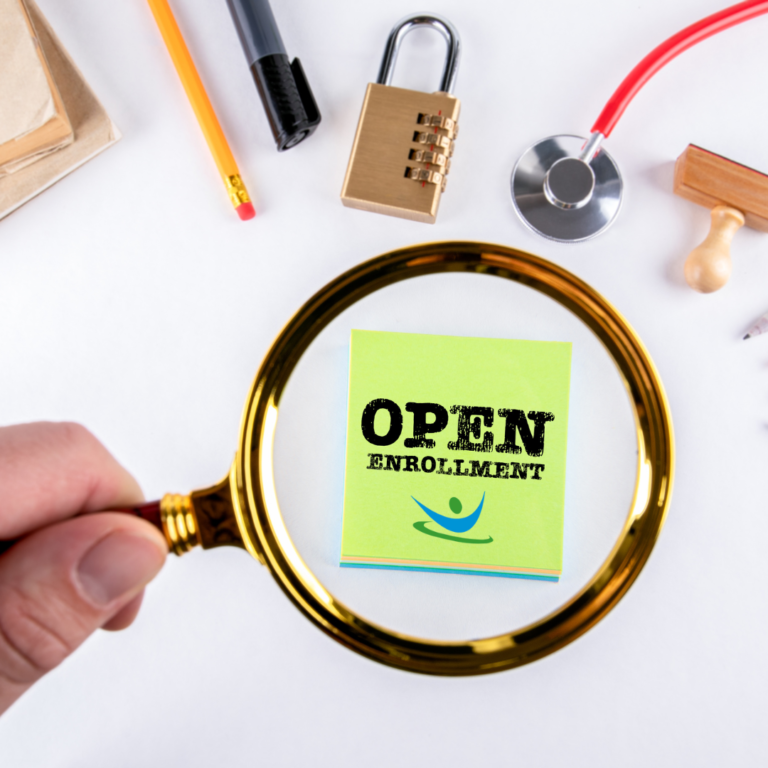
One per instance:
(737, 195)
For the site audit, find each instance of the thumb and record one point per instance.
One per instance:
(61, 583)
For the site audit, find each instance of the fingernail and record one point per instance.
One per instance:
(118, 564)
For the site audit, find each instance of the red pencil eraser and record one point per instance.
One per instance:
(246, 211)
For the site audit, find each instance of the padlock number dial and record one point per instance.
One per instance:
(441, 137)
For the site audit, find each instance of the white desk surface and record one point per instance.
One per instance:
(134, 301)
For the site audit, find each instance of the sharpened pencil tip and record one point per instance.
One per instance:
(747, 337)
(246, 211)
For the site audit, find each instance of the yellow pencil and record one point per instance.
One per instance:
(200, 102)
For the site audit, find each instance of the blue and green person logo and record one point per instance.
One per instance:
(453, 524)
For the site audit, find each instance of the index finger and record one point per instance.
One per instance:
(52, 471)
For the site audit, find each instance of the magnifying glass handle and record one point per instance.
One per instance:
(149, 512)
(204, 518)
(174, 516)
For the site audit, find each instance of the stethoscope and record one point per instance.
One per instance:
(568, 188)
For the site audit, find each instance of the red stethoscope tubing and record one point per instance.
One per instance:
(667, 51)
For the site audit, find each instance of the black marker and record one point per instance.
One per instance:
(290, 106)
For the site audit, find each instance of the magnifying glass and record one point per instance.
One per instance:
(282, 498)
(568, 188)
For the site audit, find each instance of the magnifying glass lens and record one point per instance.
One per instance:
(309, 458)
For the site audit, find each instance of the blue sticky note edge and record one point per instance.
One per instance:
(476, 572)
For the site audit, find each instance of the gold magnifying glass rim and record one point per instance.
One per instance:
(267, 537)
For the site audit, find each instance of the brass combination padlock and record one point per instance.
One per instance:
(404, 141)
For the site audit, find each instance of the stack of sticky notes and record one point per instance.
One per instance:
(50, 120)
(456, 455)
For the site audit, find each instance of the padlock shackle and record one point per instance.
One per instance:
(402, 28)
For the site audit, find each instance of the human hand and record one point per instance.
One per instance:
(69, 574)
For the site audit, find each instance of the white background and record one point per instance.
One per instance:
(132, 299)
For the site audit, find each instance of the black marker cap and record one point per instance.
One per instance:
(288, 101)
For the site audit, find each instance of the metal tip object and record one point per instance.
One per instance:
(566, 188)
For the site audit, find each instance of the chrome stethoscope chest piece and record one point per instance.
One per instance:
(562, 193)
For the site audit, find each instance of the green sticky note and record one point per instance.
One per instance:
(456, 454)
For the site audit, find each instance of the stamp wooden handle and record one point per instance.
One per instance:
(708, 266)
